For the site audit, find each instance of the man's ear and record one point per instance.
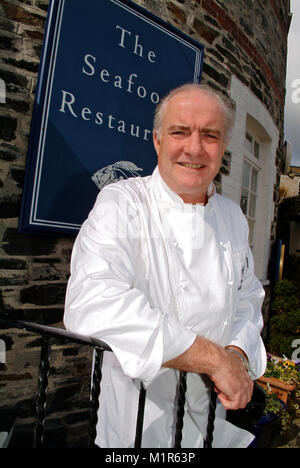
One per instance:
(156, 142)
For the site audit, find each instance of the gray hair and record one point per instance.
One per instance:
(223, 102)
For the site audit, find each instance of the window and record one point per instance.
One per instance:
(249, 196)
(250, 175)
(252, 145)
(256, 149)
(248, 142)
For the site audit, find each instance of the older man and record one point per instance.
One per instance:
(162, 272)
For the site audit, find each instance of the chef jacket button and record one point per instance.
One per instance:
(175, 243)
(225, 324)
(230, 283)
(183, 285)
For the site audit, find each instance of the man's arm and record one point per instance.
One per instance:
(225, 369)
(248, 321)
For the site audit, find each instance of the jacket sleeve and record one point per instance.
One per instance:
(102, 301)
(248, 321)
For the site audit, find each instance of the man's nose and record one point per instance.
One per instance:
(194, 144)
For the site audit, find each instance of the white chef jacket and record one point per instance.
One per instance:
(148, 274)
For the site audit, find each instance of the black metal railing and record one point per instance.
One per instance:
(48, 334)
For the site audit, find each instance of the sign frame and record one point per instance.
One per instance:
(36, 165)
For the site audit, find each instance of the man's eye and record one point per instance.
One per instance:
(211, 135)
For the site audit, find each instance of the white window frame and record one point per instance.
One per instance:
(251, 193)
(252, 157)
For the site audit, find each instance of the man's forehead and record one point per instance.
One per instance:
(191, 95)
(192, 104)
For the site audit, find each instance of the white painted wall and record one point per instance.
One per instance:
(250, 112)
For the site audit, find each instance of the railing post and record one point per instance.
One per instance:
(180, 410)
(41, 398)
(140, 417)
(211, 420)
(95, 393)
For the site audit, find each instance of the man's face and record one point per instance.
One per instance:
(191, 144)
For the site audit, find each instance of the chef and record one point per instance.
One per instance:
(162, 272)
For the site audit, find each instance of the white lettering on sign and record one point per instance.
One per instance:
(69, 106)
(130, 84)
(137, 48)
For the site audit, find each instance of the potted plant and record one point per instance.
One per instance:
(281, 377)
(267, 425)
(282, 383)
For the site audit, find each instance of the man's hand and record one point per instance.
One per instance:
(232, 382)
(226, 370)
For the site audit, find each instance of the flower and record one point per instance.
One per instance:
(288, 372)
(283, 369)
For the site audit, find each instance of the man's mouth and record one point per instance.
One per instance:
(191, 166)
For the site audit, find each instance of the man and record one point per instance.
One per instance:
(162, 272)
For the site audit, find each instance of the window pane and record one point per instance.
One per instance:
(251, 232)
(256, 149)
(254, 180)
(252, 205)
(244, 201)
(248, 142)
(246, 174)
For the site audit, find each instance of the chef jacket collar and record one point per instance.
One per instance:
(166, 194)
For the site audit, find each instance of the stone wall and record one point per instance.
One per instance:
(34, 269)
(290, 185)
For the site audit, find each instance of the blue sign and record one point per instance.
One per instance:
(105, 66)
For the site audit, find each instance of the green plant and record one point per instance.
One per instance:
(273, 404)
(285, 288)
(288, 372)
(292, 270)
(285, 323)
